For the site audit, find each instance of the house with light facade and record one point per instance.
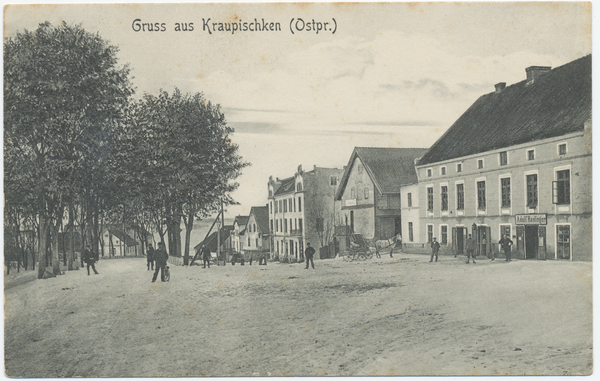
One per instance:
(518, 163)
(301, 210)
(257, 233)
(238, 233)
(370, 191)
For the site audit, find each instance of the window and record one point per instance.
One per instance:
(460, 196)
(285, 204)
(276, 209)
(561, 188)
(299, 204)
(270, 192)
(285, 225)
(299, 187)
(291, 206)
(480, 164)
(531, 154)
(532, 196)
(332, 180)
(458, 167)
(503, 158)
(271, 207)
(444, 197)
(409, 200)
(256, 242)
(481, 195)
(430, 199)
(280, 206)
(352, 193)
(366, 193)
(410, 232)
(505, 189)
(562, 149)
(271, 223)
(429, 233)
(443, 171)
(300, 224)
(294, 204)
(428, 172)
(444, 234)
(248, 241)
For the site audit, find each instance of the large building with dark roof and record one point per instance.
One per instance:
(369, 190)
(302, 210)
(518, 162)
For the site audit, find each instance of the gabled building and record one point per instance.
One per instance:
(212, 242)
(518, 162)
(370, 190)
(116, 242)
(302, 209)
(257, 232)
(238, 234)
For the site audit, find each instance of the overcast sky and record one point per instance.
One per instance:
(392, 75)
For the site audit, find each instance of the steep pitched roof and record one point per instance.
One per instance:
(556, 103)
(126, 238)
(287, 186)
(261, 215)
(211, 240)
(389, 168)
(241, 220)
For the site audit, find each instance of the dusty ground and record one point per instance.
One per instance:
(400, 316)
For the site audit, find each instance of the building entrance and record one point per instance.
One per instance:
(531, 241)
(458, 238)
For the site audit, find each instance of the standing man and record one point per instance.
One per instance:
(309, 252)
(150, 257)
(89, 257)
(161, 256)
(506, 244)
(435, 248)
(205, 256)
(470, 246)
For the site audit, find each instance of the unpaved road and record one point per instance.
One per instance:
(389, 316)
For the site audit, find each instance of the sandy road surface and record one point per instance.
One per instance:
(389, 316)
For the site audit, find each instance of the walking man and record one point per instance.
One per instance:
(506, 244)
(470, 246)
(150, 257)
(309, 252)
(435, 248)
(89, 257)
(161, 256)
(205, 256)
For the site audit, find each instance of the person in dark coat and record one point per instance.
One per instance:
(435, 248)
(506, 244)
(160, 256)
(90, 258)
(150, 257)
(470, 246)
(205, 256)
(309, 253)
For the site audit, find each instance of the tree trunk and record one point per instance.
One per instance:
(72, 240)
(55, 251)
(43, 234)
(189, 224)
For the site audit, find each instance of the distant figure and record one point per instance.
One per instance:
(160, 256)
(262, 260)
(205, 256)
(150, 257)
(435, 248)
(89, 257)
(470, 246)
(506, 244)
(397, 244)
(309, 252)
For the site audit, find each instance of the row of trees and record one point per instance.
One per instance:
(80, 153)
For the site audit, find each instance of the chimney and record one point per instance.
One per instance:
(534, 71)
(500, 86)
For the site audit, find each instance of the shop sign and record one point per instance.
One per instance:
(530, 219)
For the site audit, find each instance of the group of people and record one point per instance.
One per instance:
(470, 244)
(157, 260)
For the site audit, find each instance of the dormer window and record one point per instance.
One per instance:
(299, 187)
(503, 158)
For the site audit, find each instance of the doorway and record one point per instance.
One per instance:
(352, 220)
(460, 240)
(397, 226)
(531, 241)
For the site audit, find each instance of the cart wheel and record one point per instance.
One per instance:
(369, 255)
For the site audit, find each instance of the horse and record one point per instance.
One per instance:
(392, 243)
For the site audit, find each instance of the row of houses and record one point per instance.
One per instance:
(518, 162)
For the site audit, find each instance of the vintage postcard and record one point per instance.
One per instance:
(298, 189)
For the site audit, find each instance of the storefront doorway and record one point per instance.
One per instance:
(458, 238)
(531, 242)
(563, 242)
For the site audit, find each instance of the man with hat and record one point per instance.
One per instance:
(309, 253)
(89, 257)
(160, 256)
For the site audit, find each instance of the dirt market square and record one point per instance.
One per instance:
(386, 316)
